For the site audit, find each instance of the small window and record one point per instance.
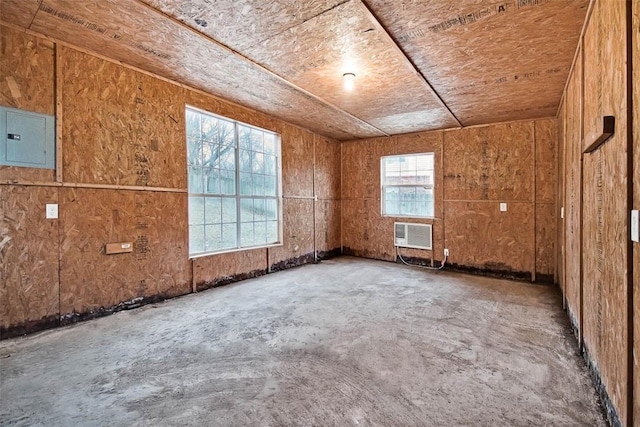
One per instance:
(407, 185)
(234, 184)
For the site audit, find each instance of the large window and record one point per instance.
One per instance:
(234, 184)
(407, 185)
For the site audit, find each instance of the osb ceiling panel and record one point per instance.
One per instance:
(18, 12)
(388, 94)
(484, 61)
(241, 24)
(490, 61)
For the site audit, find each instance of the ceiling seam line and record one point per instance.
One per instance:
(264, 69)
(372, 17)
(35, 14)
(297, 25)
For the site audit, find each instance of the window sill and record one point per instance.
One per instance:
(229, 251)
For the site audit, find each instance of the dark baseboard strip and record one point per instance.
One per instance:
(30, 327)
(226, 280)
(54, 321)
(75, 317)
(610, 413)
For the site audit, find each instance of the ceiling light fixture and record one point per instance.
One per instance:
(349, 81)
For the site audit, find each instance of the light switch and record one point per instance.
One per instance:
(635, 226)
(562, 212)
(503, 207)
(52, 211)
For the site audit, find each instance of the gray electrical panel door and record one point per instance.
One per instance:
(27, 139)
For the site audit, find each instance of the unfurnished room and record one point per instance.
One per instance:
(320, 213)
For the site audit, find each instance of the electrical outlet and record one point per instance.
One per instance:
(51, 211)
(446, 252)
(503, 207)
(562, 212)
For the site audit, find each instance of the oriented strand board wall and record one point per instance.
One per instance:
(154, 223)
(573, 202)
(326, 184)
(476, 169)
(560, 196)
(119, 126)
(362, 221)
(27, 83)
(124, 180)
(605, 207)
(546, 178)
(28, 257)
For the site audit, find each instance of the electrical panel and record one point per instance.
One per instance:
(27, 139)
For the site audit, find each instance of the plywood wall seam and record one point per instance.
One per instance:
(533, 199)
(58, 224)
(58, 79)
(262, 68)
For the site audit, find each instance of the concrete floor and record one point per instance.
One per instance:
(345, 342)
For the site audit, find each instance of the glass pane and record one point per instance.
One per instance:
(424, 208)
(407, 194)
(270, 187)
(193, 124)
(210, 155)
(245, 161)
(226, 133)
(227, 182)
(257, 163)
(213, 237)
(196, 210)
(212, 181)
(271, 209)
(213, 210)
(194, 152)
(246, 234)
(196, 239)
(424, 162)
(244, 137)
(209, 128)
(229, 211)
(257, 141)
(259, 210)
(270, 165)
(258, 185)
(227, 158)
(392, 166)
(260, 233)
(424, 194)
(391, 193)
(407, 208)
(269, 143)
(272, 231)
(195, 180)
(246, 210)
(245, 184)
(391, 207)
(229, 236)
(424, 178)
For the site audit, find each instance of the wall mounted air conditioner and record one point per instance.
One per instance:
(417, 236)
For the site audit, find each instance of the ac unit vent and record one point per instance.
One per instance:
(416, 236)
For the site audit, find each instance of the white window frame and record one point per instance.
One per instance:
(238, 196)
(384, 185)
